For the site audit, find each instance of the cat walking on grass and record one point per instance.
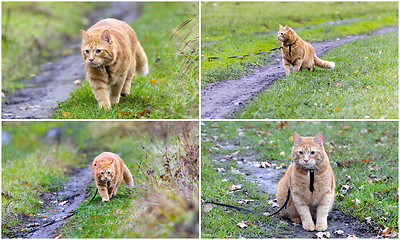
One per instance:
(112, 55)
(109, 170)
(298, 53)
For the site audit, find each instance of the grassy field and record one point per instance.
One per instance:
(364, 156)
(170, 90)
(163, 157)
(230, 29)
(33, 33)
(364, 84)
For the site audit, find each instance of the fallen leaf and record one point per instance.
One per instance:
(321, 235)
(244, 224)
(388, 232)
(248, 126)
(338, 232)
(261, 142)
(345, 127)
(62, 203)
(282, 153)
(66, 114)
(77, 83)
(235, 187)
(119, 211)
(344, 188)
(356, 202)
(153, 80)
(23, 108)
(368, 219)
(244, 201)
(208, 207)
(95, 217)
(352, 237)
(264, 165)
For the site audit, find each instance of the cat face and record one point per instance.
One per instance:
(308, 152)
(284, 33)
(105, 170)
(97, 49)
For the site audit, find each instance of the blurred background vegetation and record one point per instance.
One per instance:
(163, 157)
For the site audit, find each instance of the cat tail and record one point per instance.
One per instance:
(128, 178)
(323, 64)
(141, 61)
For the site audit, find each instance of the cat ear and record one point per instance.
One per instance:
(84, 35)
(106, 36)
(296, 138)
(112, 161)
(318, 139)
(287, 28)
(280, 26)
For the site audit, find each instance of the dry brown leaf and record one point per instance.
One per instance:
(208, 207)
(235, 187)
(352, 237)
(338, 232)
(388, 232)
(321, 235)
(242, 224)
(264, 165)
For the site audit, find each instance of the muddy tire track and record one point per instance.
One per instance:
(59, 206)
(222, 99)
(266, 181)
(56, 79)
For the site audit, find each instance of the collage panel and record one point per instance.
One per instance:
(299, 179)
(252, 53)
(96, 179)
(100, 60)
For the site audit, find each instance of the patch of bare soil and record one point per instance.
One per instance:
(222, 99)
(56, 80)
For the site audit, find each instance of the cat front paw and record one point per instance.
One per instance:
(321, 227)
(105, 105)
(309, 226)
(105, 200)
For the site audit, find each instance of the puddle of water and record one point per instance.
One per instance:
(266, 178)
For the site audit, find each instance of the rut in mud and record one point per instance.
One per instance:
(266, 181)
(60, 206)
(222, 99)
(56, 80)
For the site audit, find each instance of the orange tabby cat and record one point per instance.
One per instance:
(298, 53)
(308, 201)
(112, 54)
(109, 170)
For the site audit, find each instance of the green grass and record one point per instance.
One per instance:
(162, 156)
(170, 90)
(33, 33)
(230, 29)
(354, 148)
(364, 84)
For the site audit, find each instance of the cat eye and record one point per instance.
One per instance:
(281, 33)
(301, 152)
(312, 152)
(98, 51)
(109, 172)
(87, 51)
(102, 173)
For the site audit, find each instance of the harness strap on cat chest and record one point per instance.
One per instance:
(311, 180)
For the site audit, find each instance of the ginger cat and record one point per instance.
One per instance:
(112, 54)
(305, 205)
(298, 53)
(109, 170)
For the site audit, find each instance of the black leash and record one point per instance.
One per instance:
(280, 209)
(94, 194)
(250, 211)
(247, 55)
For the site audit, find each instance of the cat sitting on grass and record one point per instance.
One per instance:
(112, 54)
(311, 182)
(298, 53)
(109, 171)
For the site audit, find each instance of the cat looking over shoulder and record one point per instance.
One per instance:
(112, 55)
(298, 53)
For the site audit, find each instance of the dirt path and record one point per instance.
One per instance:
(56, 80)
(266, 180)
(222, 99)
(60, 205)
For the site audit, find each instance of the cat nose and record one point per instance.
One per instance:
(91, 59)
(306, 160)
